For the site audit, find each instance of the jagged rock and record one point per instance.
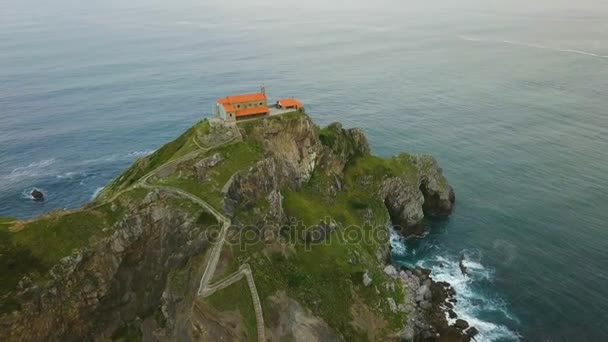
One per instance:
(461, 324)
(390, 271)
(391, 304)
(471, 332)
(203, 166)
(404, 203)
(439, 196)
(426, 305)
(423, 291)
(96, 283)
(37, 195)
(452, 314)
(367, 280)
(407, 334)
(127, 276)
(408, 200)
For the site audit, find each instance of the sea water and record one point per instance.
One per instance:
(510, 97)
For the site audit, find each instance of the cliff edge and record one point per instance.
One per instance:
(268, 229)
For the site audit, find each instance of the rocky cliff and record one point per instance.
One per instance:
(272, 228)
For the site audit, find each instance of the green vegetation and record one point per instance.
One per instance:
(127, 333)
(235, 157)
(33, 247)
(175, 149)
(376, 169)
(179, 278)
(237, 297)
(326, 276)
(327, 279)
(248, 125)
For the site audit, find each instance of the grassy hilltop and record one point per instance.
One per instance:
(308, 210)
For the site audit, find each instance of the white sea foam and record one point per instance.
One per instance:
(472, 39)
(72, 175)
(531, 45)
(581, 52)
(138, 154)
(96, 193)
(29, 171)
(471, 304)
(396, 241)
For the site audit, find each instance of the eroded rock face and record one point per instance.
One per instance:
(296, 323)
(294, 142)
(115, 280)
(408, 201)
(426, 306)
(259, 185)
(438, 195)
(404, 202)
(340, 146)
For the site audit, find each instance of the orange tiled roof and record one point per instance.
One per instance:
(252, 111)
(228, 107)
(242, 98)
(290, 103)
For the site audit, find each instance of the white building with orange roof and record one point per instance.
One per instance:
(290, 103)
(244, 106)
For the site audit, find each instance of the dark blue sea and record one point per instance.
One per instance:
(510, 96)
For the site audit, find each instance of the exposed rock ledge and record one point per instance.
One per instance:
(427, 306)
(408, 202)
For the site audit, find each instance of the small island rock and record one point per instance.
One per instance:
(37, 195)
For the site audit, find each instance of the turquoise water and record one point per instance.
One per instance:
(511, 98)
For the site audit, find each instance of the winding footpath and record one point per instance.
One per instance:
(205, 288)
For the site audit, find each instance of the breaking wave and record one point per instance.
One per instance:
(139, 154)
(474, 304)
(29, 171)
(96, 193)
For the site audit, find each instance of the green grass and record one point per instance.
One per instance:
(322, 279)
(237, 297)
(33, 247)
(236, 157)
(178, 279)
(15, 262)
(127, 333)
(321, 276)
(175, 149)
(248, 126)
(38, 245)
(378, 169)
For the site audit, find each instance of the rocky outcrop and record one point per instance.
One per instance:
(438, 195)
(292, 149)
(37, 195)
(409, 200)
(296, 323)
(341, 146)
(426, 305)
(113, 281)
(294, 142)
(259, 188)
(145, 272)
(404, 202)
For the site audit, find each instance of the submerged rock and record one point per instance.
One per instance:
(463, 268)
